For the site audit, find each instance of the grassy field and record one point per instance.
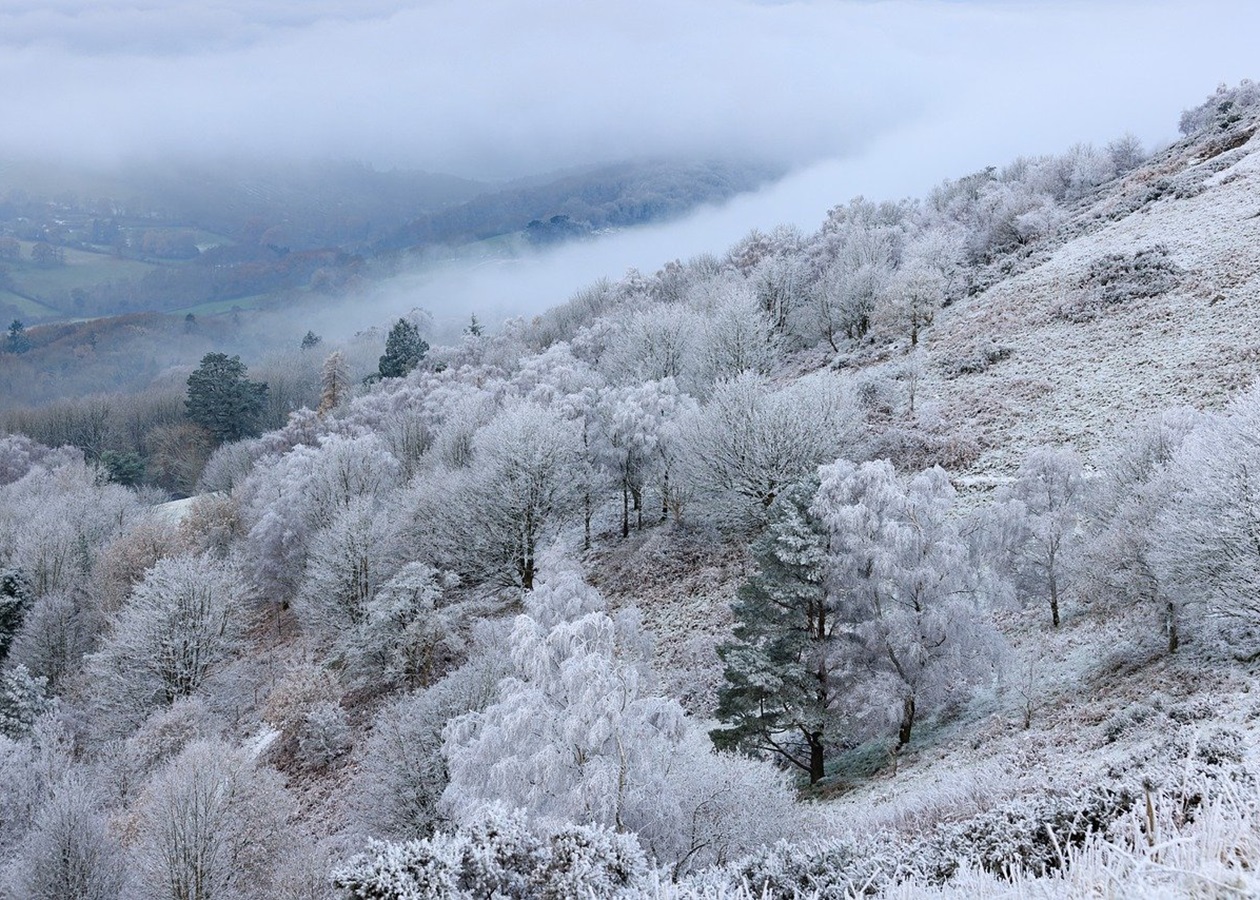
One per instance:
(25, 307)
(83, 269)
(215, 307)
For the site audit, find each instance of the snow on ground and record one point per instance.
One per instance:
(1082, 383)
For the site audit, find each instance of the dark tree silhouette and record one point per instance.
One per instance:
(222, 400)
(404, 348)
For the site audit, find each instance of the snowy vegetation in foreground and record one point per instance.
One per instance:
(683, 589)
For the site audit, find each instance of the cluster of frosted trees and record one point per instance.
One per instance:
(129, 686)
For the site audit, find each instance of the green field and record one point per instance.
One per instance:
(25, 307)
(216, 307)
(53, 284)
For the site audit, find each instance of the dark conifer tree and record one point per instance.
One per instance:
(781, 691)
(222, 400)
(404, 348)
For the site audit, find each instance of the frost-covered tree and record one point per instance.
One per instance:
(19, 454)
(408, 633)
(738, 337)
(59, 630)
(1204, 547)
(348, 562)
(520, 485)
(1044, 507)
(54, 523)
(634, 425)
(654, 344)
(910, 300)
(211, 824)
(289, 499)
(183, 622)
(1136, 482)
(750, 441)
(780, 282)
(29, 771)
(917, 629)
(70, 853)
(334, 382)
(575, 735)
(400, 774)
(576, 391)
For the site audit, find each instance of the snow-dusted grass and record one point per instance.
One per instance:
(1082, 383)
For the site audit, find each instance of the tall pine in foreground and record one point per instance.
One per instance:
(781, 688)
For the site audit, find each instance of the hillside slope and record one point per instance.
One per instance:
(1086, 359)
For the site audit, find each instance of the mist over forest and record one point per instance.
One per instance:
(708, 449)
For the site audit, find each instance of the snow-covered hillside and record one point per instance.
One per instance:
(1082, 369)
(876, 561)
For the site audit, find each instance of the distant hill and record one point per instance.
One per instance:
(202, 237)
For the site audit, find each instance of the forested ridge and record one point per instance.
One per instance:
(914, 556)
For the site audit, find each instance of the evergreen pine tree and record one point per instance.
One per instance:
(15, 602)
(16, 340)
(781, 691)
(222, 400)
(404, 348)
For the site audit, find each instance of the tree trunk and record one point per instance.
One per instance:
(588, 511)
(1054, 599)
(1174, 637)
(625, 510)
(907, 722)
(816, 770)
(665, 498)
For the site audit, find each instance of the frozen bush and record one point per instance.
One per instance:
(499, 857)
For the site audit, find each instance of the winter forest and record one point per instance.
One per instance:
(914, 556)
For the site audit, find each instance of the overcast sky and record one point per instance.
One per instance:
(879, 98)
(510, 87)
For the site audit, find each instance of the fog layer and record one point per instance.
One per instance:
(495, 88)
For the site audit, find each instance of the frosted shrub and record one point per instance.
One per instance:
(499, 857)
(1029, 834)
(1119, 278)
(837, 870)
(324, 737)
